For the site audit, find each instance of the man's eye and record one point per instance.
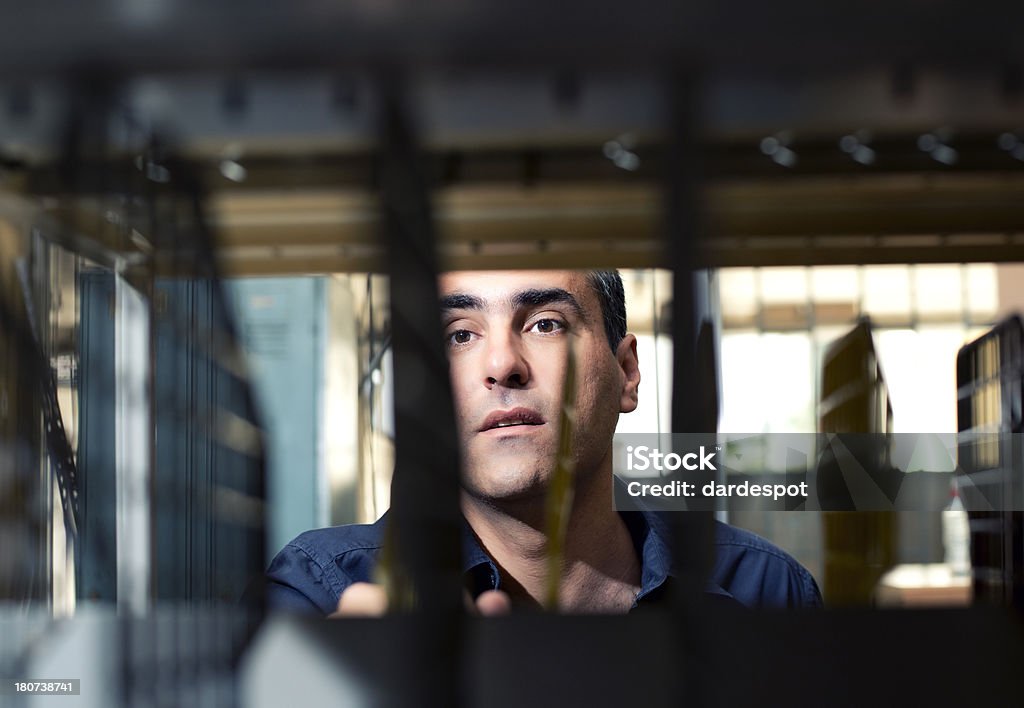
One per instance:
(461, 336)
(547, 326)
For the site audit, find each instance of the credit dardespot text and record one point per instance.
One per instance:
(717, 489)
(642, 458)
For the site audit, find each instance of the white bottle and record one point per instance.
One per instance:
(956, 534)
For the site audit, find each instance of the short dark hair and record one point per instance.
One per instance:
(607, 285)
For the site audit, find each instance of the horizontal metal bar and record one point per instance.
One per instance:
(187, 34)
(233, 111)
(896, 219)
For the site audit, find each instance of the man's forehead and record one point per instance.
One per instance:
(499, 284)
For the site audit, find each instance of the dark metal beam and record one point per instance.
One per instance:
(789, 34)
(422, 552)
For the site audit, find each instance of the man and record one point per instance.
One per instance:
(507, 334)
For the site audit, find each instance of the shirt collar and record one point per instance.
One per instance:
(651, 538)
(479, 571)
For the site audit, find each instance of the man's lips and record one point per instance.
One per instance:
(516, 417)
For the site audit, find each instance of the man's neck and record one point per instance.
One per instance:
(600, 568)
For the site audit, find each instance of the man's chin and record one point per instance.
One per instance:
(507, 489)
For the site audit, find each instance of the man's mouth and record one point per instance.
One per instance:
(511, 418)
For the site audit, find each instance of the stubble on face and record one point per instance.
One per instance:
(514, 464)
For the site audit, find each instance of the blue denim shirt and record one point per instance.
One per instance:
(312, 571)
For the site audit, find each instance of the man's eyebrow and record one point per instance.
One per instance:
(461, 301)
(547, 296)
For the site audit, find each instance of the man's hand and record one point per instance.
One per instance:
(369, 600)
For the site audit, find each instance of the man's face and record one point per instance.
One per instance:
(507, 334)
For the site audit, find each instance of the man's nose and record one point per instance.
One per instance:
(506, 364)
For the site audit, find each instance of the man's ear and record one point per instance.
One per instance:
(625, 354)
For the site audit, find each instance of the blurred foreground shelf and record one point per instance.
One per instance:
(923, 585)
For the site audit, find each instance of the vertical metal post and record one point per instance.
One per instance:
(692, 530)
(133, 443)
(425, 522)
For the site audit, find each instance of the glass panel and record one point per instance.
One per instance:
(738, 294)
(887, 293)
(920, 370)
(982, 288)
(938, 292)
(835, 284)
(767, 383)
(784, 286)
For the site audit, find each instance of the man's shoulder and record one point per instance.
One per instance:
(313, 569)
(329, 543)
(758, 573)
(731, 536)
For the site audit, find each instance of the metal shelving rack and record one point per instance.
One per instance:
(582, 135)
